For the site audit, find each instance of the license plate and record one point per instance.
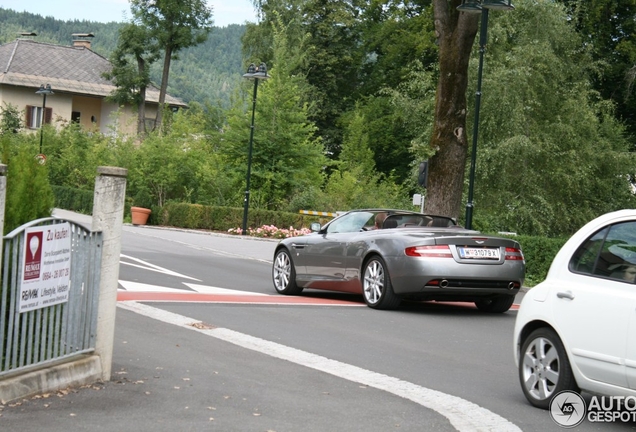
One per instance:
(479, 253)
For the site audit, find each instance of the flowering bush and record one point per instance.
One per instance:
(270, 231)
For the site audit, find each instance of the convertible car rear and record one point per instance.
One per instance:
(410, 256)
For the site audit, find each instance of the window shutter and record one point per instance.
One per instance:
(48, 114)
(29, 109)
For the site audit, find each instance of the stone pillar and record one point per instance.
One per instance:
(108, 217)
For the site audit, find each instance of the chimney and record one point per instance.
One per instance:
(82, 40)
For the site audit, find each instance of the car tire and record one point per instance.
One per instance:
(284, 274)
(376, 285)
(544, 368)
(498, 304)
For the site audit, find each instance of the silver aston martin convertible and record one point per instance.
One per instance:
(406, 255)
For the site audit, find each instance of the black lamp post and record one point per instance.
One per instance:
(479, 6)
(43, 91)
(256, 74)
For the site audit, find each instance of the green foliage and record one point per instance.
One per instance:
(610, 27)
(180, 165)
(395, 35)
(538, 253)
(73, 155)
(196, 216)
(173, 25)
(77, 200)
(131, 61)
(351, 189)
(551, 155)
(333, 64)
(10, 119)
(286, 156)
(413, 102)
(29, 194)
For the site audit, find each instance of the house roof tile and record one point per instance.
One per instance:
(67, 69)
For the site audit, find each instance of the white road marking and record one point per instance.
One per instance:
(204, 289)
(464, 415)
(142, 287)
(196, 288)
(147, 266)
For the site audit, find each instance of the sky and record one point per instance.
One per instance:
(224, 12)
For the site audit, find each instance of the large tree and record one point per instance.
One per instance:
(552, 155)
(136, 51)
(455, 33)
(608, 27)
(288, 158)
(175, 24)
(333, 60)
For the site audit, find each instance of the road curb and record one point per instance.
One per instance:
(83, 371)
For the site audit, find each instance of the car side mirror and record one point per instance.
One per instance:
(315, 227)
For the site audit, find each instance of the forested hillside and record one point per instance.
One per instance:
(207, 73)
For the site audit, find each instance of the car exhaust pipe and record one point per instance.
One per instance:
(443, 283)
(511, 286)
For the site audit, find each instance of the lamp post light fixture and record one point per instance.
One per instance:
(44, 91)
(482, 7)
(255, 73)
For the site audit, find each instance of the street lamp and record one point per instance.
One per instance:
(479, 6)
(43, 91)
(255, 73)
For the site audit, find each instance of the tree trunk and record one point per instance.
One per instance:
(141, 109)
(164, 86)
(456, 35)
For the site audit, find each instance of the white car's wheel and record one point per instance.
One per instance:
(376, 285)
(284, 274)
(544, 369)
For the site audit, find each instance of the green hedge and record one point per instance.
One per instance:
(196, 216)
(539, 253)
(76, 200)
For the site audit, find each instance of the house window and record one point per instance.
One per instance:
(34, 116)
(75, 116)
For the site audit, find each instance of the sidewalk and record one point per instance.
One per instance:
(166, 378)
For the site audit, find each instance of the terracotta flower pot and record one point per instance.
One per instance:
(139, 215)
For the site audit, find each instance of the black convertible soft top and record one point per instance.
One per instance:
(406, 220)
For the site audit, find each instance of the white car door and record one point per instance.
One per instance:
(594, 304)
(592, 316)
(630, 357)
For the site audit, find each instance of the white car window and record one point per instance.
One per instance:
(610, 253)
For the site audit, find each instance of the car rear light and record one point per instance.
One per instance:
(514, 254)
(436, 251)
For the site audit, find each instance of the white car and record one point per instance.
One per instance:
(577, 329)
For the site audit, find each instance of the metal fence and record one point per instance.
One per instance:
(49, 334)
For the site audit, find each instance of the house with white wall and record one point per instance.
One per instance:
(79, 90)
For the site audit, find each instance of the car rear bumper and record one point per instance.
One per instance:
(446, 278)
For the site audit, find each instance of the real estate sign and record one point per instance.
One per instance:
(47, 267)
